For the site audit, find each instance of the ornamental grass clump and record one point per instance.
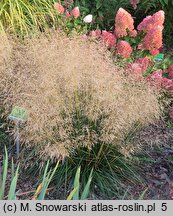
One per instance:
(74, 95)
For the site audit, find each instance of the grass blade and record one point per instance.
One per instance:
(77, 184)
(4, 175)
(71, 195)
(46, 181)
(12, 169)
(87, 186)
(12, 192)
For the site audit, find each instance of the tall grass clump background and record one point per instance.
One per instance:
(74, 95)
(26, 16)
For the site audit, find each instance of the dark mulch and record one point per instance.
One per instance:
(158, 169)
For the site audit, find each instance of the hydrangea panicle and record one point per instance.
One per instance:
(75, 12)
(153, 39)
(151, 21)
(124, 49)
(123, 22)
(158, 18)
(109, 39)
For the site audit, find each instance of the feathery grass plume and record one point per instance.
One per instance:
(5, 61)
(74, 95)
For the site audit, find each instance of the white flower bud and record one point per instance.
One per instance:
(88, 18)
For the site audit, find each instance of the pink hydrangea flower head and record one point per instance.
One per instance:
(151, 21)
(109, 39)
(153, 39)
(124, 49)
(143, 62)
(75, 12)
(158, 18)
(145, 24)
(156, 78)
(123, 22)
(59, 8)
(134, 3)
(133, 33)
(170, 68)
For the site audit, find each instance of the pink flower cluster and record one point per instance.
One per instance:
(109, 39)
(124, 23)
(151, 21)
(138, 67)
(74, 13)
(153, 27)
(124, 49)
(161, 82)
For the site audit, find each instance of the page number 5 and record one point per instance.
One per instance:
(164, 207)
